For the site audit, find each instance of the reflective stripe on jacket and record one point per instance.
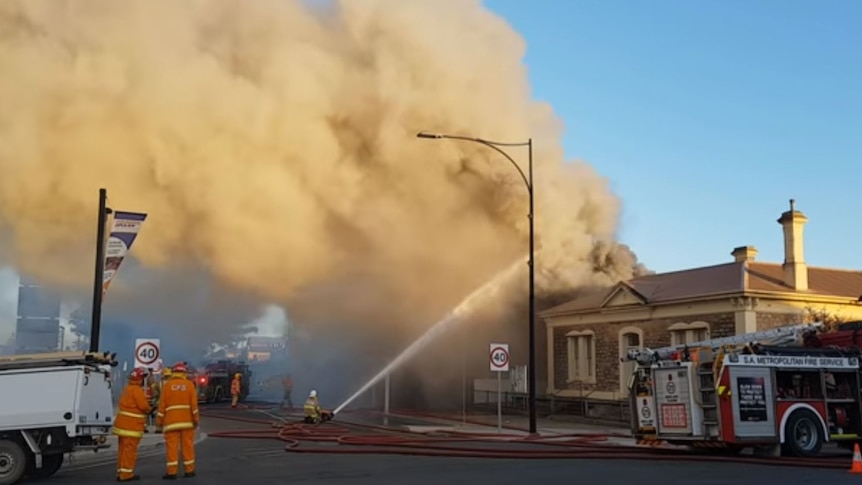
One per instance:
(133, 409)
(311, 407)
(178, 406)
(235, 386)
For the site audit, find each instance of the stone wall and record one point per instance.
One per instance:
(655, 334)
(768, 321)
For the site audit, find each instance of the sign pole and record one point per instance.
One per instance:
(386, 401)
(463, 387)
(499, 402)
(499, 358)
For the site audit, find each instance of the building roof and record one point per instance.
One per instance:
(722, 279)
(265, 344)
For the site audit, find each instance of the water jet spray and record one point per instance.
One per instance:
(467, 305)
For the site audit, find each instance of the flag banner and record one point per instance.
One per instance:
(124, 230)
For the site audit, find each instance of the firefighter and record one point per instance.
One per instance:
(311, 409)
(130, 423)
(155, 389)
(235, 389)
(178, 416)
(166, 375)
(288, 388)
(148, 393)
(152, 391)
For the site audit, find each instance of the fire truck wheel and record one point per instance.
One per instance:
(803, 434)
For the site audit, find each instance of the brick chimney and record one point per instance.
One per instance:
(795, 269)
(744, 253)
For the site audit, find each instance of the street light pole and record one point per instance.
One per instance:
(528, 181)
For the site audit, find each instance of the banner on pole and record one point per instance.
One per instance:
(124, 230)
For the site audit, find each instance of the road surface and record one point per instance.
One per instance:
(252, 461)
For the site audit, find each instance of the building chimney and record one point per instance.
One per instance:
(744, 253)
(795, 269)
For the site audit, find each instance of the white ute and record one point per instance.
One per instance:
(52, 404)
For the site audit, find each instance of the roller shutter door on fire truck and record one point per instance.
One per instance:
(673, 397)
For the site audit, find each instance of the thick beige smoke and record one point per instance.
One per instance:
(274, 143)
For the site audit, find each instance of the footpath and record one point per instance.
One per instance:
(150, 444)
(519, 425)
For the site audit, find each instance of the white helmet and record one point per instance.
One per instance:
(312, 394)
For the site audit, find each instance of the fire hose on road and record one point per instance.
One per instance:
(301, 438)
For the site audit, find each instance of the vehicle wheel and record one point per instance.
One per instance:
(13, 462)
(803, 434)
(50, 465)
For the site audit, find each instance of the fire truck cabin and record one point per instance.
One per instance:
(752, 395)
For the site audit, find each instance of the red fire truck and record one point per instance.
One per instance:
(777, 389)
(213, 380)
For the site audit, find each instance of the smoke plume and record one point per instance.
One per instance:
(272, 144)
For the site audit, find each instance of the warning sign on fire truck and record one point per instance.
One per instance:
(646, 412)
(753, 401)
(673, 399)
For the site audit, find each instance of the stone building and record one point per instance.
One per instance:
(586, 337)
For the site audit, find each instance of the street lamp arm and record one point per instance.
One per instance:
(490, 144)
(484, 141)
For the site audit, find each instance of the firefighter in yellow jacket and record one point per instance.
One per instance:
(178, 416)
(129, 425)
(311, 409)
(166, 374)
(235, 389)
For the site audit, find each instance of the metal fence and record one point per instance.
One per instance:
(553, 406)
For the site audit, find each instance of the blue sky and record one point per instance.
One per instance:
(707, 116)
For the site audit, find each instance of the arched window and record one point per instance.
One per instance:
(630, 338)
(582, 352)
(688, 333)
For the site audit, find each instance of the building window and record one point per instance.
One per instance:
(582, 351)
(688, 333)
(631, 338)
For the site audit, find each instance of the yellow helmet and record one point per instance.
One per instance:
(167, 372)
(237, 375)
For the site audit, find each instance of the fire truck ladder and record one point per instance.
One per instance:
(646, 356)
(707, 398)
(57, 359)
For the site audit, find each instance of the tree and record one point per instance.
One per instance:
(830, 320)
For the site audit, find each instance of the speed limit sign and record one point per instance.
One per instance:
(147, 352)
(499, 357)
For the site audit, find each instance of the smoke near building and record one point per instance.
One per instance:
(38, 326)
